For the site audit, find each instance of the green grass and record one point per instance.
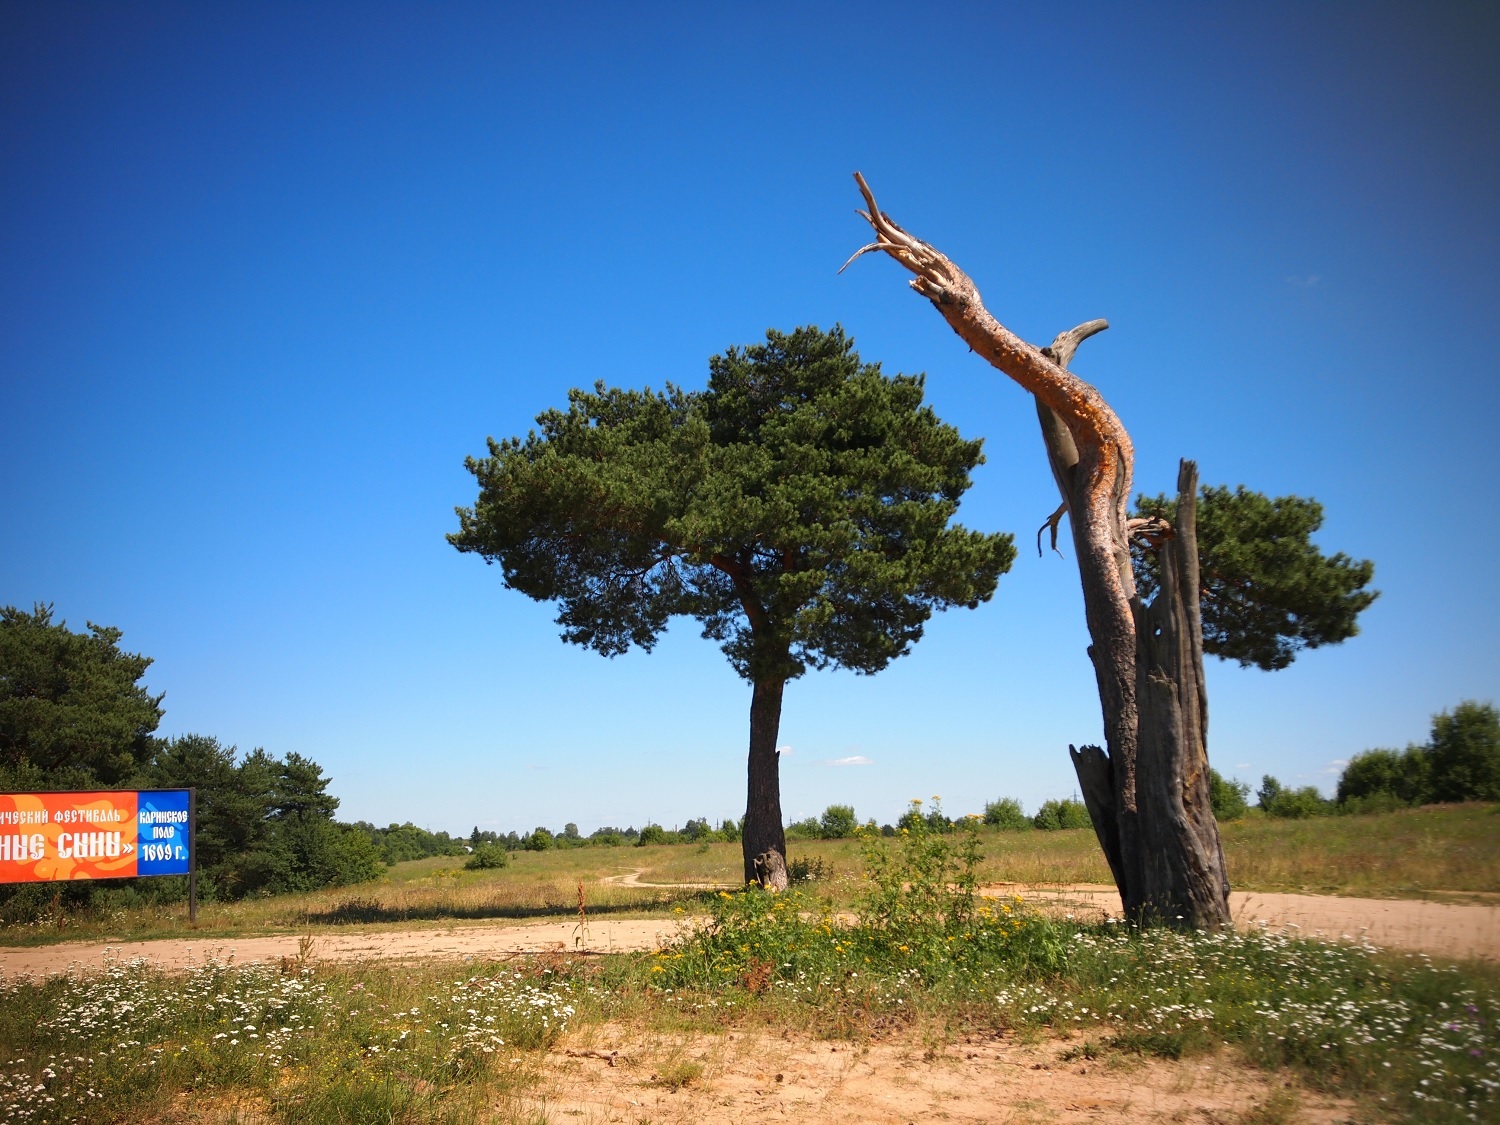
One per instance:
(1440, 851)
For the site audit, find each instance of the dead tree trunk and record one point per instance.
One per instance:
(1147, 793)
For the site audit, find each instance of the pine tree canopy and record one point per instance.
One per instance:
(1267, 590)
(799, 509)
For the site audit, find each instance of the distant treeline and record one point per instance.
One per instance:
(1460, 761)
(541, 839)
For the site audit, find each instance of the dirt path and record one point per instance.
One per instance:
(451, 943)
(633, 879)
(1441, 929)
(762, 1076)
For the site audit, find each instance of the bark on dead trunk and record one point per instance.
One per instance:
(1165, 855)
(1147, 791)
(762, 836)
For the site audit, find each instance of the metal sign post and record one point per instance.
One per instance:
(192, 856)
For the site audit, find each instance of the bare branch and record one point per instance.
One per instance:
(1152, 530)
(1061, 350)
(1083, 411)
(862, 250)
(1052, 521)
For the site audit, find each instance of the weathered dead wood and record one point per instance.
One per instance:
(1147, 789)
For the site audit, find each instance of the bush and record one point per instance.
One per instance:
(1054, 815)
(1374, 803)
(351, 857)
(837, 822)
(1006, 814)
(487, 857)
(914, 819)
(803, 870)
(808, 828)
(401, 842)
(1227, 797)
(1294, 804)
(656, 834)
(539, 839)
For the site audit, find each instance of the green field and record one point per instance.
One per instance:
(1444, 852)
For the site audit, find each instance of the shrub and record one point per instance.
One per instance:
(539, 839)
(401, 842)
(837, 822)
(656, 834)
(487, 857)
(804, 870)
(808, 828)
(1227, 797)
(1054, 815)
(1006, 814)
(935, 820)
(350, 857)
(1294, 804)
(1375, 803)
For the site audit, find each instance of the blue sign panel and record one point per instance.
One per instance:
(162, 837)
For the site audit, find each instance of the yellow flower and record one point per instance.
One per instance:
(903, 949)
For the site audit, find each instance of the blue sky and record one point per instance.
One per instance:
(269, 272)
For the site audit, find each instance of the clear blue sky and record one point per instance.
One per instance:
(268, 272)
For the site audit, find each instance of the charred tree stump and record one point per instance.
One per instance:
(1147, 790)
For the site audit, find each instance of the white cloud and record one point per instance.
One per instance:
(852, 760)
(1241, 765)
(783, 749)
(1335, 766)
(1304, 280)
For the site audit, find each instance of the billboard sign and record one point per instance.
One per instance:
(95, 835)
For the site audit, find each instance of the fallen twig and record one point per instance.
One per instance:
(611, 1057)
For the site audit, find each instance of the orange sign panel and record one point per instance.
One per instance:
(47, 836)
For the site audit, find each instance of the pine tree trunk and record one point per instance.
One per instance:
(763, 837)
(1147, 792)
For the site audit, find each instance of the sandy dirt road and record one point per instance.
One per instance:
(762, 1076)
(1441, 929)
(1438, 928)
